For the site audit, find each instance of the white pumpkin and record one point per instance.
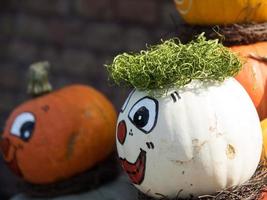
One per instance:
(193, 141)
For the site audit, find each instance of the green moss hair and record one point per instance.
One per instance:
(173, 64)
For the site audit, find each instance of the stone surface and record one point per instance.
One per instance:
(144, 11)
(103, 9)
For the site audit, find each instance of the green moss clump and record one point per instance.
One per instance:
(173, 64)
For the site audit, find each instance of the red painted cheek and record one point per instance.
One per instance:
(122, 132)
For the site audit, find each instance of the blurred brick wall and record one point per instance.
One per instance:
(77, 37)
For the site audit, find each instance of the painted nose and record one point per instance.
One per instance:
(5, 146)
(121, 132)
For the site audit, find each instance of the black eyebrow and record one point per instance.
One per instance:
(175, 95)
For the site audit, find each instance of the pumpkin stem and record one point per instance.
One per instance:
(38, 79)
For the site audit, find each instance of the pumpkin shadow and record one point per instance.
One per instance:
(99, 175)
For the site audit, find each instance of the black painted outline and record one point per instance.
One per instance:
(124, 106)
(156, 116)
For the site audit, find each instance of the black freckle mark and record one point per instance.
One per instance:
(191, 184)
(177, 94)
(183, 172)
(150, 145)
(45, 108)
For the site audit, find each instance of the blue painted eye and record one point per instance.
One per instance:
(23, 126)
(144, 114)
(141, 117)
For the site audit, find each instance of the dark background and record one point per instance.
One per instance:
(77, 37)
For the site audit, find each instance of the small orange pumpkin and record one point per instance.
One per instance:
(207, 12)
(253, 76)
(59, 135)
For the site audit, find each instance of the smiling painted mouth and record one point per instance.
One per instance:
(13, 165)
(135, 171)
(7, 148)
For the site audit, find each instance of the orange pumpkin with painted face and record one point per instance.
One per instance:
(59, 135)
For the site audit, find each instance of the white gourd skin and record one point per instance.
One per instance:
(207, 140)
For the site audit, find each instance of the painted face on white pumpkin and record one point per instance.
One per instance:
(138, 121)
(188, 141)
(139, 132)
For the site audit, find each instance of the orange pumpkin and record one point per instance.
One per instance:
(59, 135)
(206, 12)
(253, 76)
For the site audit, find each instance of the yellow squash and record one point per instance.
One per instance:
(207, 12)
